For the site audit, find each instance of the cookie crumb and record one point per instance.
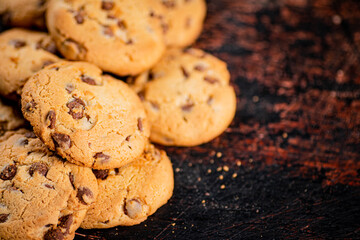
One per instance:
(173, 224)
(285, 135)
(221, 177)
(222, 186)
(218, 154)
(177, 169)
(238, 163)
(219, 169)
(203, 201)
(209, 170)
(234, 175)
(226, 168)
(255, 99)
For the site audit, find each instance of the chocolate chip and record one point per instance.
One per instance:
(187, 107)
(54, 234)
(101, 174)
(103, 157)
(128, 138)
(18, 43)
(108, 31)
(130, 42)
(47, 63)
(121, 24)
(39, 167)
(154, 105)
(72, 180)
(61, 140)
(111, 16)
(117, 170)
(141, 95)
(168, 3)
(23, 142)
(4, 217)
(49, 186)
(30, 106)
(83, 194)
(88, 80)
(76, 108)
(30, 135)
(79, 17)
(107, 5)
(132, 208)
(200, 68)
(140, 125)
(70, 87)
(211, 80)
(65, 222)
(9, 172)
(47, 46)
(48, 225)
(51, 117)
(184, 72)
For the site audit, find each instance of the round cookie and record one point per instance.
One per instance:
(181, 20)
(42, 197)
(10, 118)
(128, 195)
(22, 53)
(23, 13)
(89, 118)
(187, 98)
(119, 36)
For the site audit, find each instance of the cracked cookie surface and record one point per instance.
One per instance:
(187, 97)
(119, 36)
(128, 195)
(10, 118)
(22, 53)
(23, 13)
(180, 20)
(42, 196)
(89, 118)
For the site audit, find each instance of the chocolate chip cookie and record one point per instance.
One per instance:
(187, 97)
(89, 118)
(181, 20)
(128, 195)
(10, 118)
(119, 36)
(22, 53)
(23, 13)
(42, 197)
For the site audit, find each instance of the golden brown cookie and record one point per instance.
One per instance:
(119, 36)
(42, 197)
(128, 195)
(181, 20)
(89, 118)
(187, 97)
(22, 53)
(23, 13)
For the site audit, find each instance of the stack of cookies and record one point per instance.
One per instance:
(85, 158)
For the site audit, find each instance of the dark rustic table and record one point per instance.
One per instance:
(289, 164)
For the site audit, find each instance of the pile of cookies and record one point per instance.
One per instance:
(84, 156)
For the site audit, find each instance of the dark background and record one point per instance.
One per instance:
(295, 65)
(289, 164)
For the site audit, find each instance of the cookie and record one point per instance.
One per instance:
(89, 118)
(42, 197)
(23, 13)
(187, 98)
(22, 53)
(181, 20)
(119, 36)
(10, 118)
(128, 195)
